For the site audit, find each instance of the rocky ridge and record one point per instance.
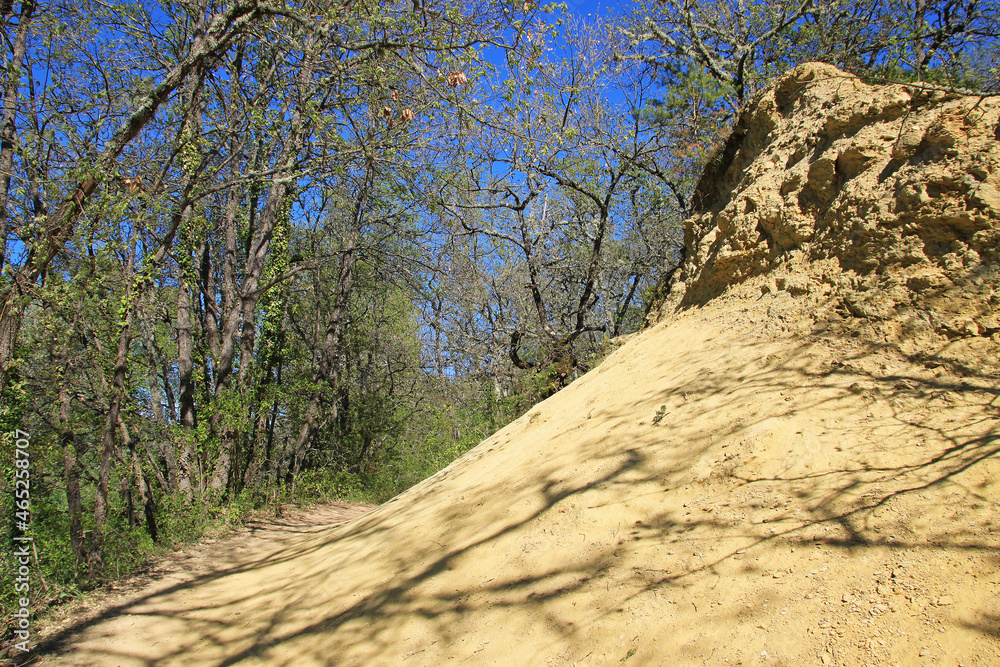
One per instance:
(880, 204)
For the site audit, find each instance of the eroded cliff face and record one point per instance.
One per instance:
(880, 205)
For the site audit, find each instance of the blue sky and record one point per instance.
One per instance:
(596, 7)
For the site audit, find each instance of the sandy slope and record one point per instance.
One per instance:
(802, 497)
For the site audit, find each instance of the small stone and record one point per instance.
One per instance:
(945, 601)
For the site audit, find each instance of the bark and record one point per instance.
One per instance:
(188, 479)
(623, 310)
(227, 331)
(587, 298)
(185, 384)
(265, 434)
(515, 353)
(224, 339)
(165, 444)
(72, 450)
(261, 438)
(114, 419)
(142, 484)
(95, 560)
(126, 491)
(71, 473)
(534, 283)
(137, 475)
(920, 54)
(8, 128)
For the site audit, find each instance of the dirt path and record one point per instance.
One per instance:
(211, 558)
(730, 487)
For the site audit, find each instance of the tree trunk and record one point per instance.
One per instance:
(71, 474)
(95, 561)
(142, 484)
(187, 481)
(13, 300)
(115, 402)
(327, 371)
(224, 345)
(7, 127)
(259, 453)
(274, 208)
(165, 444)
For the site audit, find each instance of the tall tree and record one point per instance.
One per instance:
(547, 178)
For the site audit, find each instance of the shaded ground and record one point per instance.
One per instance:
(198, 562)
(746, 483)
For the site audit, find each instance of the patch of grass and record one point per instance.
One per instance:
(660, 414)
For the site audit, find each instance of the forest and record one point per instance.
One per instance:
(257, 252)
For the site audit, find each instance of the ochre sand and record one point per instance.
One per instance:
(803, 498)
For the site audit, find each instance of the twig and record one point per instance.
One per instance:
(38, 567)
